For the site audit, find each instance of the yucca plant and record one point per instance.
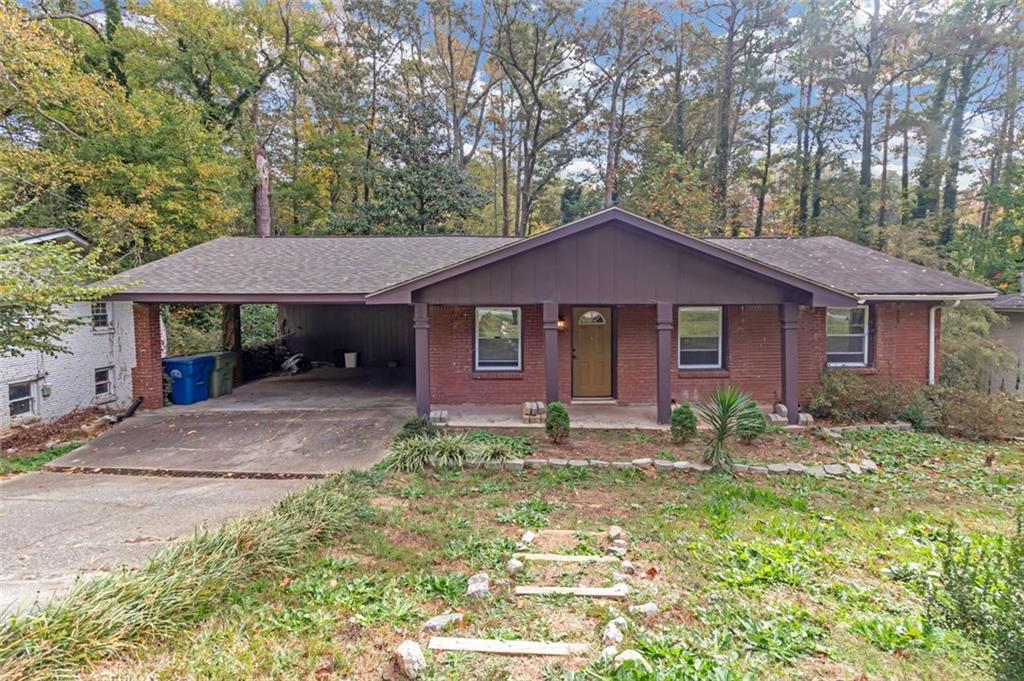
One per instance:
(726, 413)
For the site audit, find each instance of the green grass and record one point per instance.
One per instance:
(28, 464)
(758, 577)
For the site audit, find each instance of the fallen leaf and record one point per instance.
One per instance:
(651, 571)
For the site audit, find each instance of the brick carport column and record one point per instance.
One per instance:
(550, 320)
(664, 363)
(789, 327)
(421, 327)
(148, 374)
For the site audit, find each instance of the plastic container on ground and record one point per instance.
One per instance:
(190, 377)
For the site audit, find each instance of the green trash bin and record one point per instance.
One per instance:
(222, 380)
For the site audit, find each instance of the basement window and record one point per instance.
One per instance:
(846, 331)
(21, 399)
(498, 339)
(104, 379)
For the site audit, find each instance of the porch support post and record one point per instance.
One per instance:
(550, 320)
(421, 326)
(664, 327)
(789, 316)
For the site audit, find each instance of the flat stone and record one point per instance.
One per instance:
(760, 470)
(614, 532)
(615, 551)
(702, 467)
(514, 566)
(599, 463)
(558, 463)
(642, 463)
(410, 659)
(536, 463)
(902, 425)
(621, 543)
(627, 567)
(645, 609)
(869, 465)
(622, 464)
(777, 420)
(777, 468)
(479, 586)
(631, 656)
(528, 537)
(611, 635)
(795, 468)
(492, 465)
(441, 622)
(806, 419)
(514, 465)
(682, 465)
(835, 469)
(854, 468)
(741, 467)
(663, 465)
(579, 463)
(816, 471)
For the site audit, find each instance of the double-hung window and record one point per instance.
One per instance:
(104, 380)
(498, 335)
(700, 337)
(846, 331)
(21, 399)
(100, 316)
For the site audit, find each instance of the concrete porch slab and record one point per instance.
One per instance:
(597, 416)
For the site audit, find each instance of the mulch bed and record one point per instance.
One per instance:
(31, 439)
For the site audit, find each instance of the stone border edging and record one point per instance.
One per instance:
(665, 466)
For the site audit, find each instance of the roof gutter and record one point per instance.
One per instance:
(923, 297)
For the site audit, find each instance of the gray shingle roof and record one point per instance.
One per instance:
(1010, 301)
(845, 266)
(303, 265)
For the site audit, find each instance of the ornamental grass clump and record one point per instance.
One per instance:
(753, 424)
(726, 412)
(452, 450)
(123, 613)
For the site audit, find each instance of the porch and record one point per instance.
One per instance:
(595, 416)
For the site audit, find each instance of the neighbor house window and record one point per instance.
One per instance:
(700, 337)
(21, 398)
(498, 338)
(101, 315)
(846, 329)
(104, 380)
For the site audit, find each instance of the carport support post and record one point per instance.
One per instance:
(789, 316)
(421, 326)
(664, 364)
(550, 352)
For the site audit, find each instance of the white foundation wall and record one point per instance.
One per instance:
(69, 378)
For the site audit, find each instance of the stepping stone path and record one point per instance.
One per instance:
(614, 540)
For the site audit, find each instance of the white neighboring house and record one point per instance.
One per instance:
(95, 372)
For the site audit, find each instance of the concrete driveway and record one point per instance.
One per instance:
(55, 526)
(310, 425)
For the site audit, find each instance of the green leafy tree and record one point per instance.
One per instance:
(37, 283)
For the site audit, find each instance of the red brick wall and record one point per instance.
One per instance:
(753, 355)
(148, 374)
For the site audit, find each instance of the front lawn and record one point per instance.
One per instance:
(755, 577)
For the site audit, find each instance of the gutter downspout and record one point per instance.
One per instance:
(931, 343)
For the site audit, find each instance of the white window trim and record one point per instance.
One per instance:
(33, 400)
(476, 338)
(866, 335)
(106, 328)
(109, 382)
(679, 337)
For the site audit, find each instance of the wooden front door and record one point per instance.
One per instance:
(592, 352)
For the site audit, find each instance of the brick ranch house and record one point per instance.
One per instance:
(611, 308)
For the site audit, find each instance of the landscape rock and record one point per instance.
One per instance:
(579, 463)
(615, 532)
(627, 567)
(854, 468)
(643, 463)
(514, 566)
(835, 469)
(781, 409)
(441, 622)
(682, 465)
(536, 463)
(645, 609)
(869, 465)
(631, 656)
(410, 660)
(479, 586)
(806, 419)
(611, 635)
(528, 537)
(622, 464)
(619, 577)
(816, 471)
(777, 420)
(663, 465)
(777, 468)
(795, 468)
(760, 470)
(492, 465)
(599, 463)
(621, 622)
(514, 465)
(702, 467)
(621, 542)
(558, 463)
(615, 551)
(609, 653)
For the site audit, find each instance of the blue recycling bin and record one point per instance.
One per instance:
(190, 377)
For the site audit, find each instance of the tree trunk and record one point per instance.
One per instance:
(930, 174)
(722, 149)
(611, 160)
(883, 188)
(803, 143)
(955, 148)
(763, 188)
(231, 336)
(905, 160)
(261, 189)
(866, 134)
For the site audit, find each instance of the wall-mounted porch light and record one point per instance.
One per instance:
(561, 324)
